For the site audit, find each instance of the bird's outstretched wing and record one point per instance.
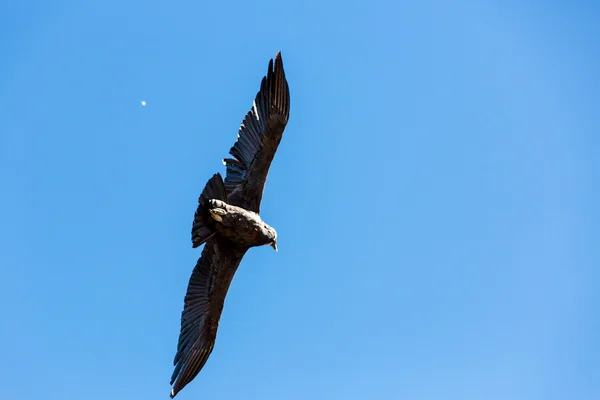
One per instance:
(258, 138)
(204, 301)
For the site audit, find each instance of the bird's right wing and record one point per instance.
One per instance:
(203, 305)
(258, 139)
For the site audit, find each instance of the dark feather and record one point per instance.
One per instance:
(203, 225)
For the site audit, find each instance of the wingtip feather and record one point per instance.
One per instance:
(278, 60)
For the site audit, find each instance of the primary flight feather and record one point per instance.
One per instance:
(227, 220)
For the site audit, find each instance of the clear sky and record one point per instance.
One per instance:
(436, 197)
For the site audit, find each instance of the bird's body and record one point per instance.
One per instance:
(242, 227)
(228, 221)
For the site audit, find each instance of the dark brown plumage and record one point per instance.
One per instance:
(227, 220)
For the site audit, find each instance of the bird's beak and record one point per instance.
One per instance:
(274, 245)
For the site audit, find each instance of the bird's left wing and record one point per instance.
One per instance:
(258, 139)
(203, 305)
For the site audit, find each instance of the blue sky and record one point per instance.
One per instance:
(435, 196)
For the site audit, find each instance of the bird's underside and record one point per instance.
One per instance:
(227, 221)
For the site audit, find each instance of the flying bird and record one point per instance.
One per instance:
(228, 221)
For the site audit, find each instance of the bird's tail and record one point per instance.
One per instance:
(204, 226)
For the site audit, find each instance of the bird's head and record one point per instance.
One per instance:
(272, 236)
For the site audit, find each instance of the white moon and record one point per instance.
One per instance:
(143, 103)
